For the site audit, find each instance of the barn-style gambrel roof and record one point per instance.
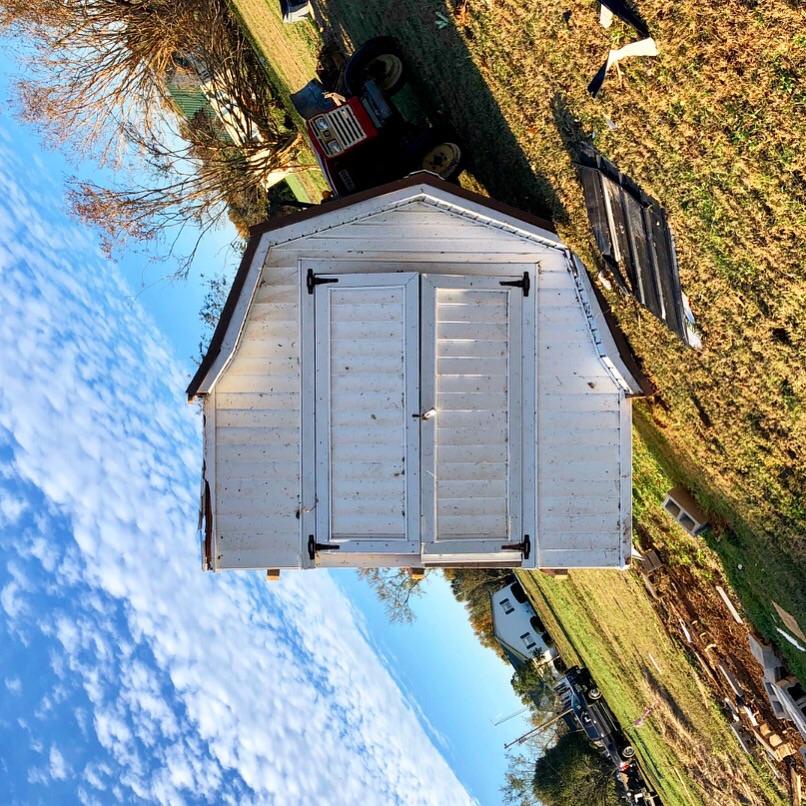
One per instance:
(498, 334)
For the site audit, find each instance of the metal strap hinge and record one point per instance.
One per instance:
(313, 547)
(524, 547)
(525, 283)
(312, 280)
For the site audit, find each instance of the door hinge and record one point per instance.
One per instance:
(313, 547)
(312, 280)
(524, 547)
(525, 283)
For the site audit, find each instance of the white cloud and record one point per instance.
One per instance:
(200, 686)
(58, 766)
(11, 601)
(14, 685)
(11, 509)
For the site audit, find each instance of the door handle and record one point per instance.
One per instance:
(425, 415)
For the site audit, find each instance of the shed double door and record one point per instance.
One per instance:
(420, 397)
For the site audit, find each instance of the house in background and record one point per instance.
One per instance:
(518, 628)
(415, 376)
(193, 91)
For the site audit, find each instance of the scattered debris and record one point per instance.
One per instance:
(680, 504)
(643, 47)
(685, 630)
(735, 687)
(733, 611)
(634, 240)
(790, 622)
(796, 784)
(646, 712)
(775, 746)
(442, 21)
(624, 13)
(791, 639)
(744, 737)
(649, 562)
(786, 694)
(692, 610)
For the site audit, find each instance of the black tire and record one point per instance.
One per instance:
(594, 694)
(628, 752)
(379, 59)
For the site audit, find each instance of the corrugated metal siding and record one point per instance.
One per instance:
(579, 433)
(472, 434)
(367, 412)
(257, 434)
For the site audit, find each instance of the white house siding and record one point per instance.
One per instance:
(257, 458)
(512, 624)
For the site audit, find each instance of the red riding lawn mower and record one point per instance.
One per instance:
(359, 137)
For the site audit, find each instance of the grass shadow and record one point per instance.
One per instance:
(452, 90)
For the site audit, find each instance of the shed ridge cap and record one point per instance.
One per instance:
(447, 200)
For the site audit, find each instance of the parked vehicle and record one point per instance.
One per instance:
(579, 692)
(358, 135)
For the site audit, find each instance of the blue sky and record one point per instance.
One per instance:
(127, 674)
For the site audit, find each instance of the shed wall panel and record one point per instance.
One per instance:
(257, 434)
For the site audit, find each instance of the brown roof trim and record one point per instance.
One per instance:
(413, 180)
(625, 351)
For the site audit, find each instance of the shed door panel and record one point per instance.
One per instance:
(471, 447)
(367, 334)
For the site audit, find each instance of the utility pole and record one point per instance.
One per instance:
(523, 737)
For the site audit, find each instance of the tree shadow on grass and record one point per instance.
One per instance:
(450, 87)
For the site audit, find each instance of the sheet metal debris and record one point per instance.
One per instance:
(643, 47)
(635, 242)
(624, 13)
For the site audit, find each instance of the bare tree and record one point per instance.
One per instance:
(99, 83)
(196, 173)
(395, 588)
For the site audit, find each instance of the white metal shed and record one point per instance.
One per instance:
(415, 376)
